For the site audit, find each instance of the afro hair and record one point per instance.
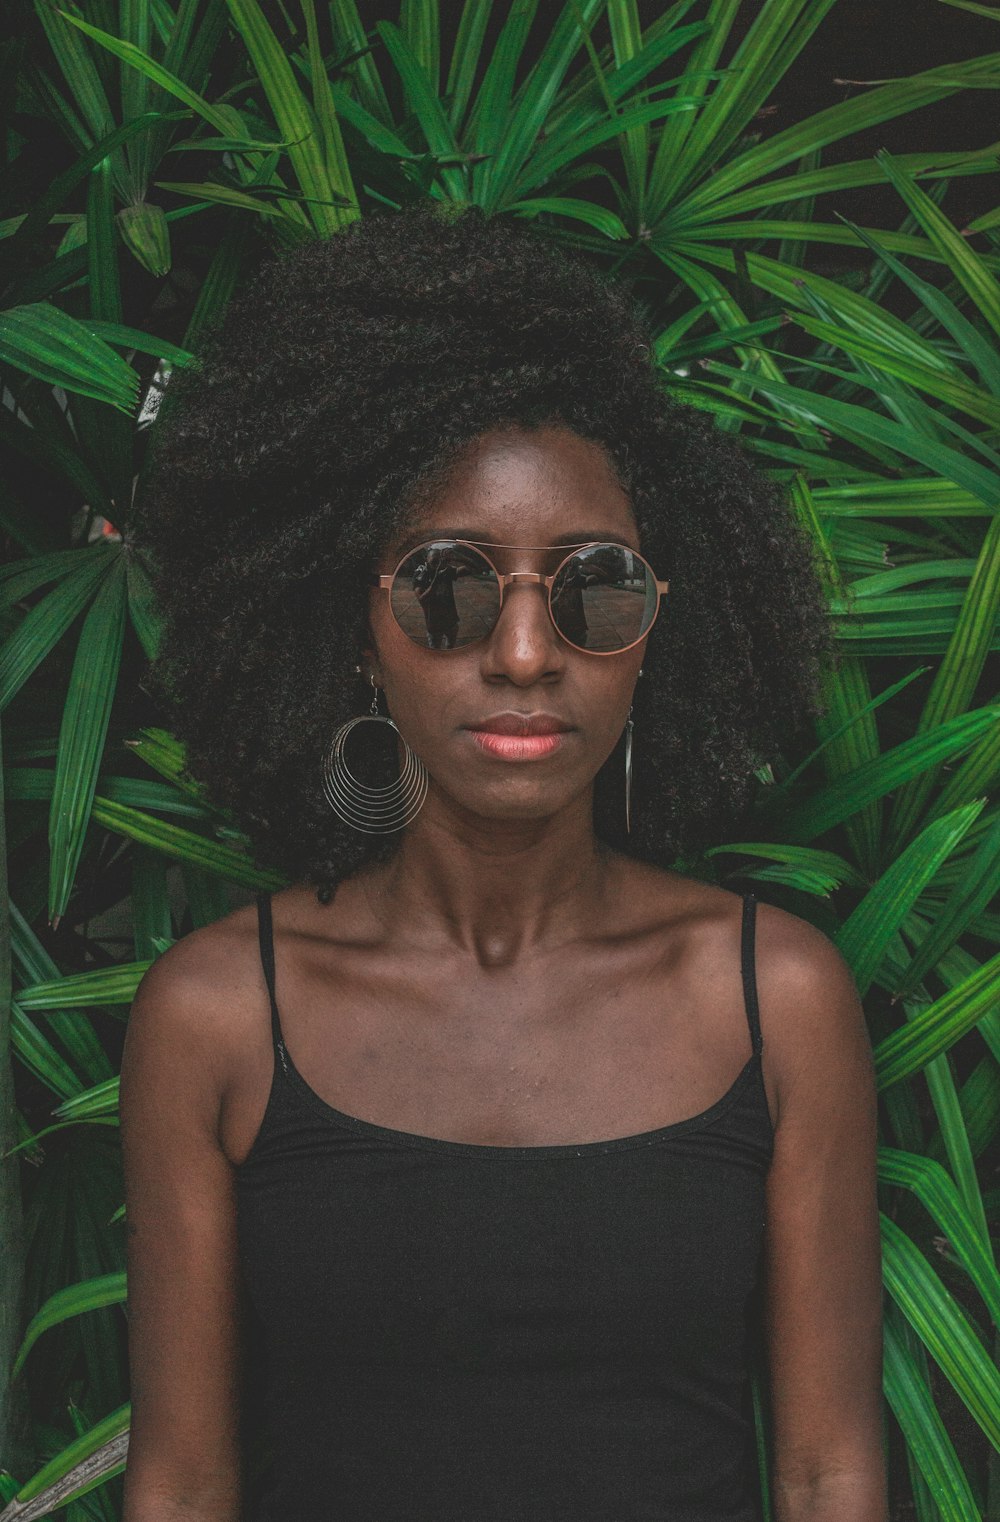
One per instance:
(327, 403)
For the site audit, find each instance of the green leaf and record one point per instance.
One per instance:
(109, 985)
(142, 609)
(566, 145)
(85, 1463)
(77, 1037)
(48, 620)
(864, 423)
(931, 1185)
(535, 99)
(146, 343)
(39, 1056)
(597, 217)
(928, 497)
(334, 155)
(943, 1327)
(848, 176)
(101, 1099)
(813, 871)
(865, 936)
(939, 1026)
(977, 10)
(938, 379)
(158, 749)
(974, 346)
(47, 343)
(973, 890)
(33, 227)
(144, 231)
(75, 1300)
(82, 734)
(225, 195)
(838, 800)
(183, 845)
(425, 104)
(957, 676)
(964, 263)
(216, 116)
(926, 1436)
(295, 120)
(82, 76)
(860, 112)
(493, 102)
(777, 34)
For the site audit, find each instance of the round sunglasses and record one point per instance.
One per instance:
(603, 598)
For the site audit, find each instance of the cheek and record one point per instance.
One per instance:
(611, 689)
(420, 689)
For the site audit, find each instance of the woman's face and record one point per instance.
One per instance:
(519, 487)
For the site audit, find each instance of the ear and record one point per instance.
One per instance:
(369, 667)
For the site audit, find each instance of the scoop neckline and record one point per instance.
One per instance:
(538, 1151)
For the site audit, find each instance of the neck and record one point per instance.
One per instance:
(494, 888)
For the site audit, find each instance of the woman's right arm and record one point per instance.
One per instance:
(183, 1332)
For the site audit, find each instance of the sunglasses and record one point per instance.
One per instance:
(447, 594)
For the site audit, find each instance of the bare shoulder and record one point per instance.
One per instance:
(198, 1001)
(803, 978)
(811, 1015)
(815, 1033)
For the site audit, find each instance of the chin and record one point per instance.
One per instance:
(526, 808)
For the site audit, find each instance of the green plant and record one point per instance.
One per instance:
(875, 396)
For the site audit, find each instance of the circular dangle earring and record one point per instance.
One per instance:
(373, 810)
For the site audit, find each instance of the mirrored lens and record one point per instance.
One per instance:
(445, 595)
(604, 598)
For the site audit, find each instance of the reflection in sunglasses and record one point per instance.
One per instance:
(446, 595)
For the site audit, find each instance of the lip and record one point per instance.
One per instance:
(519, 736)
(512, 723)
(517, 747)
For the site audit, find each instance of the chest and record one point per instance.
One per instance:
(571, 1050)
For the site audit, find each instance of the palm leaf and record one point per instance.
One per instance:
(45, 342)
(82, 734)
(943, 1327)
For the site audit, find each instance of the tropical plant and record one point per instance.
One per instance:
(195, 137)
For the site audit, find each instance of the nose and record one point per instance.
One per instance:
(524, 646)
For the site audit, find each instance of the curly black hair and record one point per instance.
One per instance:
(327, 404)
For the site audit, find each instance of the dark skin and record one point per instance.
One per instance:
(504, 980)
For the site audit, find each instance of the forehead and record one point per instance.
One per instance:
(529, 486)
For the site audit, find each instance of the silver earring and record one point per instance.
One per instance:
(629, 727)
(373, 810)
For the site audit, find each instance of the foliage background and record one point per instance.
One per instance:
(836, 305)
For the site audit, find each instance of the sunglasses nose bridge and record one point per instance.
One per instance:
(509, 580)
(530, 636)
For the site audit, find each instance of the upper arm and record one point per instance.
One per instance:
(823, 1304)
(182, 1262)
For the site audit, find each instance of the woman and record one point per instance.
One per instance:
(468, 1174)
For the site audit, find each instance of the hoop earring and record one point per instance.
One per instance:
(373, 810)
(629, 727)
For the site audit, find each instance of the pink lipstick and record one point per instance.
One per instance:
(516, 747)
(516, 736)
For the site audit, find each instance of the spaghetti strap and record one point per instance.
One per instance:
(265, 934)
(748, 969)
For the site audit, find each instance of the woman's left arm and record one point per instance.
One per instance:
(823, 1284)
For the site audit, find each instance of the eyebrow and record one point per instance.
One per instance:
(578, 536)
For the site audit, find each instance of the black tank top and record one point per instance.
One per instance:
(446, 1331)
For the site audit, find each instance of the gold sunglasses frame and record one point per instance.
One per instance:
(384, 580)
